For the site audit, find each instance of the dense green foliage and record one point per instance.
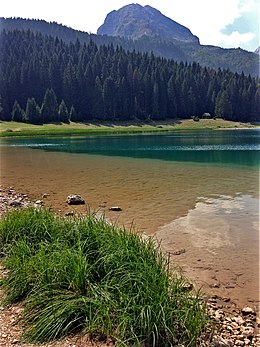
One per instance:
(44, 74)
(236, 60)
(86, 275)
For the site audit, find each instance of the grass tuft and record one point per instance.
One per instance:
(85, 275)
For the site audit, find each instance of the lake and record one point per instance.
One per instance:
(196, 191)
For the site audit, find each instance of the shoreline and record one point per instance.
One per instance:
(14, 129)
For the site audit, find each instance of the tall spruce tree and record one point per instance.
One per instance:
(49, 109)
(63, 112)
(73, 116)
(32, 112)
(97, 101)
(17, 113)
(223, 108)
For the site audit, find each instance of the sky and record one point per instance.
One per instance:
(224, 23)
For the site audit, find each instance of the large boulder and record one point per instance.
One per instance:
(75, 199)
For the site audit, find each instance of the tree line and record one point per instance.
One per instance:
(43, 79)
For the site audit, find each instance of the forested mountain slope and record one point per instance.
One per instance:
(236, 60)
(44, 79)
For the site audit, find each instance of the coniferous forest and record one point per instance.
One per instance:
(43, 79)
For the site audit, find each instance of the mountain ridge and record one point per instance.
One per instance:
(235, 59)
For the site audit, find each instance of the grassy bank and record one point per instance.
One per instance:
(83, 275)
(23, 129)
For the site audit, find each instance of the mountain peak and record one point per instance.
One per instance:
(134, 21)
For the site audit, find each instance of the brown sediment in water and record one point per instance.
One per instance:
(210, 211)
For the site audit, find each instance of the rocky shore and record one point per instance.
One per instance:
(10, 199)
(232, 326)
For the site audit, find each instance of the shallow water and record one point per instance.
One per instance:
(209, 207)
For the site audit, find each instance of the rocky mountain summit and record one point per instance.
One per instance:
(135, 21)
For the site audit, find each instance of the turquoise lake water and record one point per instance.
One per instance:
(231, 147)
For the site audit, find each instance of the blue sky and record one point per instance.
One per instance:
(224, 23)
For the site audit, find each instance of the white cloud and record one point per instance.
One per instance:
(248, 5)
(235, 39)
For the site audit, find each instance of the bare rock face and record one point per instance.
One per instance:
(75, 199)
(135, 21)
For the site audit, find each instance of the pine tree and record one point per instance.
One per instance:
(223, 108)
(49, 109)
(109, 94)
(1, 108)
(32, 112)
(63, 112)
(98, 102)
(172, 98)
(17, 113)
(155, 103)
(73, 115)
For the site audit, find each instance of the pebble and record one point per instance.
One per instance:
(247, 310)
(15, 203)
(9, 198)
(115, 208)
(179, 251)
(248, 331)
(236, 328)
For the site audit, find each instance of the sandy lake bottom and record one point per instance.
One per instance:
(209, 211)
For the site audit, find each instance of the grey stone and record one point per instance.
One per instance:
(15, 203)
(248, 310)
(75, 199)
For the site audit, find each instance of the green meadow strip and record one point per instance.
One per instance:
(13, 129)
